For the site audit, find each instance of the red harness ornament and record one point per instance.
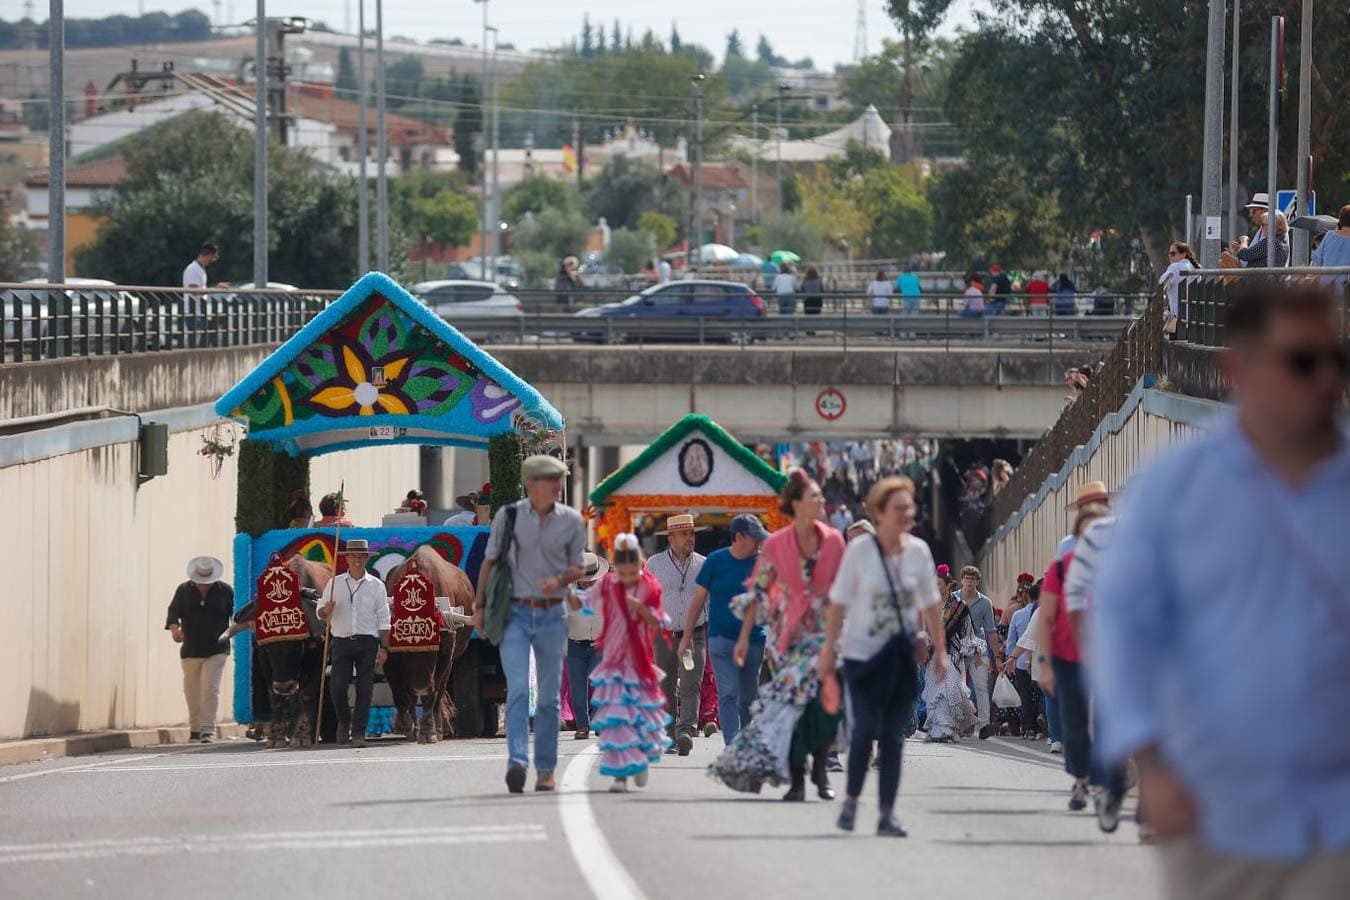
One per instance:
(415, 622)
(279, 616)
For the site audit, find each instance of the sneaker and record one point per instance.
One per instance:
(832, 763)
(640, 779)
(207, 737)
(582, 734)
(848, 815)
(359, 742)
(1108, 812)
(684, 743)
(986, 732)
(889, 827)
(194, 737)
(671, 751)
(515, 779)
(545, 781)
(1078, 797)
(620, 786)
(709, 729)
(1056, 746)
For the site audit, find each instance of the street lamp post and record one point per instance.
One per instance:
(491, 269)
(260, 152)
(56, 140)
(362, 147)
(382, 176)
(1211, 188)
(1300, 242)
(778, 146)
(482, 175)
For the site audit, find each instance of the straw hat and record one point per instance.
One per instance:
(678, 523)
(1092, 492)
(205, 570)
(593, 567)
(356, 545)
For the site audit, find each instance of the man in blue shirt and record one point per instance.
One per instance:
(1238, 540)
(1018, 665)
(723, 577)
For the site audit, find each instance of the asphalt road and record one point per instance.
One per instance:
(234, 820)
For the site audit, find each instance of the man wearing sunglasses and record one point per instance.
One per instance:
(1226, 593)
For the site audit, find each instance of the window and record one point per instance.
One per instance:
(672, 296)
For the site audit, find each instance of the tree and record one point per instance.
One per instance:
(469, 125)
(616, 39)
(899, 215)
(447, 218)
(535, 194)
(764, 53)
(629, 249)
(624, 189)
(734, 47)
(587, 37)
(675, 45)
(832, 210)
(402, 80)
(916, 19)
(189, 180)
(660, 226)
(18, 251)
(542, 241)
(792, 231)
(346, 85)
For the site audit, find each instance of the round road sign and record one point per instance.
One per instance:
(830, 404)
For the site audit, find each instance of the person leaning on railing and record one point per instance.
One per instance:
(1335, 251)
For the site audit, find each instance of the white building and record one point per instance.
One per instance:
(869, 130)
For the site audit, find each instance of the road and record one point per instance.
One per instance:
(233, 820)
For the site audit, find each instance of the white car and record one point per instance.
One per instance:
(457, 300)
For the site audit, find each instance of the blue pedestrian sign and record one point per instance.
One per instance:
(1284, 202)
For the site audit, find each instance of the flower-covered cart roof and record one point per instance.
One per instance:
(377, 366)
(695, 456)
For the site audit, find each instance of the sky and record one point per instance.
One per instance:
(824, 31)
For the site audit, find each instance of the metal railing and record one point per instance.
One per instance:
(1203, 296)
(41, 321)
(1138, 352)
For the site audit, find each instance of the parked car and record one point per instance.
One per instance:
(509, 273)
(693, 299)
(456, 300)
(89, 298)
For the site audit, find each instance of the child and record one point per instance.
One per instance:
(630, 709)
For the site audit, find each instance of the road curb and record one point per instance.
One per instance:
(85, 743)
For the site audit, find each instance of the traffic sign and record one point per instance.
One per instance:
(830, 404)
(1284, 202)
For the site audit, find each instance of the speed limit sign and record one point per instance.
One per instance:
(830, 404)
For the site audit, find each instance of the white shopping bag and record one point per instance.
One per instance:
(1005, 695)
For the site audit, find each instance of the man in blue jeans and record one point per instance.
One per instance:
(722, 577)
(545, 556)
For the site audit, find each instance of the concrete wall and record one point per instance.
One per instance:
(1149, 422)
(92, 560)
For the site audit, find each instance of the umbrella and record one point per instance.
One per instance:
(1316, 224)
(717, 253)
(748, 260)
(784, 256)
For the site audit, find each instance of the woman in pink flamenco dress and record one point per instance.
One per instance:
(630, 708)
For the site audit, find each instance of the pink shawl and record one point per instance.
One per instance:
(789, 592)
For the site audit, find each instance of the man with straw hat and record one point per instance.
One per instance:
(355, 605)
(1093, 492)
(677, 569)
(198, 615)
(584, 627)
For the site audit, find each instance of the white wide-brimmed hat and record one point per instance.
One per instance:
(205, 570)
(676, 524)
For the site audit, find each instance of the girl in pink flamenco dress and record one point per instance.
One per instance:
(630, 708)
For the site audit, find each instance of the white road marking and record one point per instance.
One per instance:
(98, 765)
(605, 875)
(322, 759)
(252, 842)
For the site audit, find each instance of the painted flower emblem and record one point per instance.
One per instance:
(364, 385)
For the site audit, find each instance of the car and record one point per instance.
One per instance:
(90, 301)
(457, 300)
(509, 273)
(693, 299)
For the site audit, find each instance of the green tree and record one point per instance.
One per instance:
(623, 190)
(402, 81)
(734, 47)
(917, 20)
(795, 232)
(18, 251)
(347, 85)
(447, 218)
(629, 249)
(469, 125)
(899, 214)
(190, 180)
(660, 226)
(542, 241)
(536, 194)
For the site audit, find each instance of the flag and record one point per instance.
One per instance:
(569, 159)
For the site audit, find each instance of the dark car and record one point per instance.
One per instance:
(677, 300)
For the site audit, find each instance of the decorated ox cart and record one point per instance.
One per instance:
(377, 367)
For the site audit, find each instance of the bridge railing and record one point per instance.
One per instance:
(39, 321)
(1138, 352)
(1203, 296)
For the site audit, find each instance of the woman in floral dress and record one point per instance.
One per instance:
(950, 711)
(630, 707)
(788, 593)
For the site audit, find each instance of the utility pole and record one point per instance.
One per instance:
(482, 169)
(260, 149)
(382, 176)
(754, 163)
(1211, 192)
(362, 147)
(1299, 245)
(496, 144)
(1273, 144)
(56, 141)
(696, 170)
(1233, 139)
(778, 147)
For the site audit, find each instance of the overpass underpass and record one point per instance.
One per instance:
(613, 395)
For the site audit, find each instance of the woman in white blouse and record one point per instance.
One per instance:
(1180, 261)
(884, 604)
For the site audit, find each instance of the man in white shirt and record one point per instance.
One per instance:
(677, 569)
(194, 276)
(663, 269)
(355, 605)
(785, 287)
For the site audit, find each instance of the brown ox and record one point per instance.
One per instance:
(424, 677)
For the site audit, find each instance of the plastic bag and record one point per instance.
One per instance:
(1005, 695)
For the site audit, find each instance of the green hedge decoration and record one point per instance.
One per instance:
(505, 455)
(266, 480)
